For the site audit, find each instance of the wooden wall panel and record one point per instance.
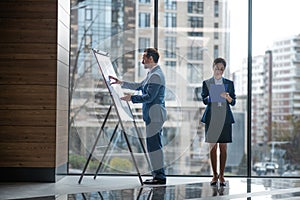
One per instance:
(41, 155)
(28, 97)
(28, 51)
(28, 72)
(30, 117)
(34, 88)
(20, 134)
(20, 142)
(35, 9)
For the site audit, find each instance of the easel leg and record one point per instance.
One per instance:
(131, 153)
(106, 150)
(140, 193)
(94, 146)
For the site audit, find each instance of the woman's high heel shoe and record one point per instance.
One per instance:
(214, 180)
(222, 181)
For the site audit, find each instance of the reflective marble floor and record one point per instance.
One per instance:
(129, 187)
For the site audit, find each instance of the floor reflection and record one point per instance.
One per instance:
(128, 188)
(188, 191)
(235, 189)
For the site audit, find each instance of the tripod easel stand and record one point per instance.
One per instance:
(106, 69)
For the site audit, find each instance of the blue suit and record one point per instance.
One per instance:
(229, 87)
(218, 116)
(154, 115)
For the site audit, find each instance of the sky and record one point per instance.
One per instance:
(271, 20)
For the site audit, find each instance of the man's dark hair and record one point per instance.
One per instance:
(220, 60)
(152, 52)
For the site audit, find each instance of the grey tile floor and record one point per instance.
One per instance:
(129, 187)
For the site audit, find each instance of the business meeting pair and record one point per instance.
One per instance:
(152, 98)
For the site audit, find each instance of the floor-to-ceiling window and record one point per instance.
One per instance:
(275, 88)
(190, 34)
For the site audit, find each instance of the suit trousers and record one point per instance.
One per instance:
(154, 148)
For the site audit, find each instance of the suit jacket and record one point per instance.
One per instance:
(153, 95)
(229, 87)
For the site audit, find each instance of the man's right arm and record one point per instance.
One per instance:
(125, 84)
(132, 85)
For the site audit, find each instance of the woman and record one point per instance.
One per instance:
(218, 94)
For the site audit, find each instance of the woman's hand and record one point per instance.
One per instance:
(226, 96)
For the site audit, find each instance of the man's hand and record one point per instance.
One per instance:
(115, 80)
(126, 97)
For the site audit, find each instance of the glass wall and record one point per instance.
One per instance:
(188, 35)
(113, 27)
(275, 90)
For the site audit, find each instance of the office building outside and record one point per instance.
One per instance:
(275, 101)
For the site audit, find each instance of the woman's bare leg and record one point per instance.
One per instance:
(223, 157)
(213, 160)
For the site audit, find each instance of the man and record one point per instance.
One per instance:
(154, 111)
